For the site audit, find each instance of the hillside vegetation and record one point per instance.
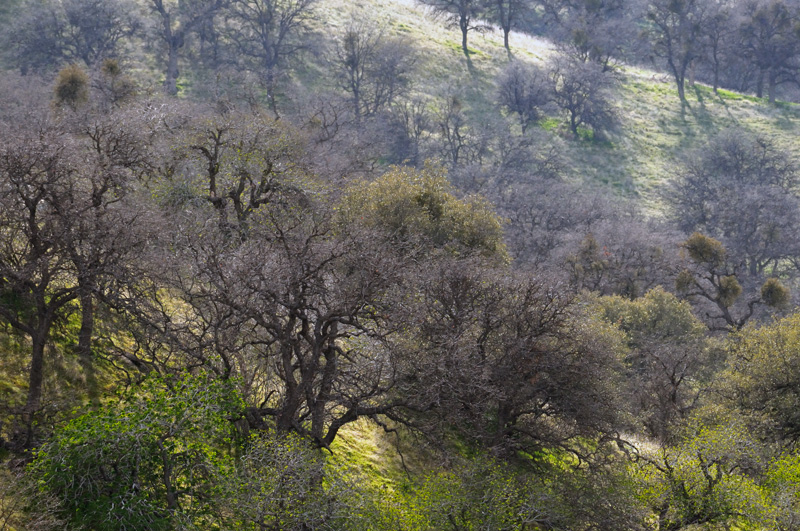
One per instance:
(345, 265)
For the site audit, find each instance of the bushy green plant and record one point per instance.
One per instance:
(411, 204)
(150, 460)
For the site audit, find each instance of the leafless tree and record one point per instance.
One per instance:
(507, 361)
(770, 41)
(677, 31)
(373, 68)
(51, 34)
(269, 33)
(508, 14)
(463, 14)
(524, 89)
(583, 91)
(177, 20)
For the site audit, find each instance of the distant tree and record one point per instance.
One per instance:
(721, 38)
(458, 142)
(463, 14)
(740, 189)
(177, 20)
(676, 31)
(373, 69)
(269, 33)
(770, 40)
(236, 164)
(622, 254)
(712, 278)
(524, 89)
(72, 87)
(582, 90)
(509, 14)
(411, 122)
(113, 86)
(420, 209)
(546, 215)
(597, 31)
(55, 32)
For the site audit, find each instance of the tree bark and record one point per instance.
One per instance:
(35, 381)
(171, 80)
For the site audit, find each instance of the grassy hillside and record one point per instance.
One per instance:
(654, 128)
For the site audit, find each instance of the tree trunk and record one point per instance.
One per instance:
(760, 84)
(464, 24)
(87, 322)
(85, 340)
(35, 380)
(171, 80)
(270, 82)
(771, 86)
(679, 76)
(716, 77)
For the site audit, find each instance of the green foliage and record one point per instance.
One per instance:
(684, 281)
(281, 482)
(773, 293)
(483, 494)
(705, 250)
(412, 204)
(729, 290)
(670, 361)
(703, 480)
(764, 376)
(783, 487)
(658, 314)
(72, 87)
(152, 460)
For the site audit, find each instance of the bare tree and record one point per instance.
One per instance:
(507, 360)
(301, 314)
(270, 32)
(177, 21)
(54, 33)
(597, 31)
(411, 122)
(373, 68)
(726, 298)
(676, 33)
(524, 89)
(721, 33)
(508, 14)
(583, 91)
(62, 236)
(463, 14)
(740, 189)
(458, 140)
(770, 40)
(35, 270)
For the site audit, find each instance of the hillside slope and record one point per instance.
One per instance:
(654, 128)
